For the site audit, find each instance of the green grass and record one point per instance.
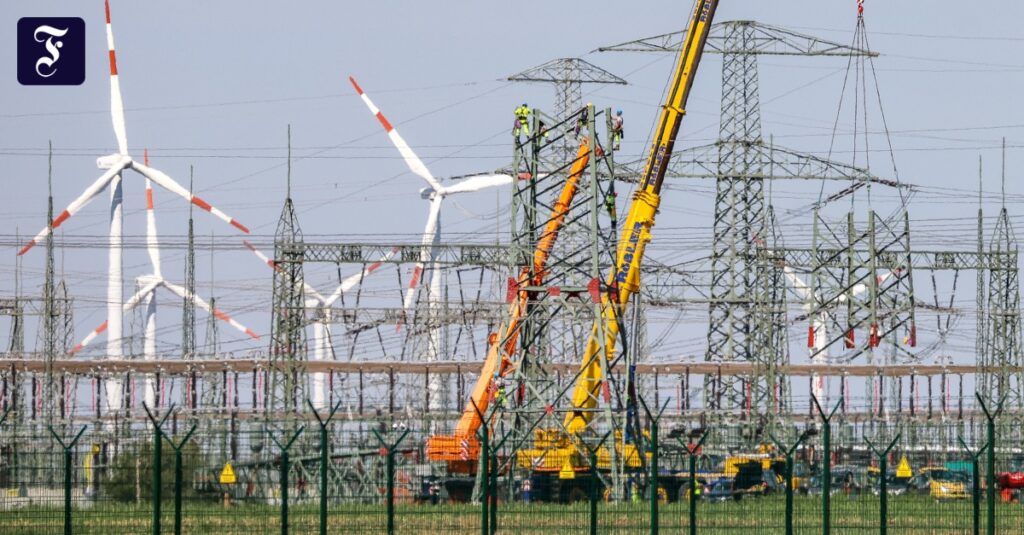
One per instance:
(908, 514)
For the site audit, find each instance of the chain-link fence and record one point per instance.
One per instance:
(321, 473)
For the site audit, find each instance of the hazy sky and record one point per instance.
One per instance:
(213, 84)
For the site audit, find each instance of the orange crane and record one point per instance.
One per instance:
(464, 445)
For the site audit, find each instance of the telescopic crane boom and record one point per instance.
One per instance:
(624, 280)
(463, 445)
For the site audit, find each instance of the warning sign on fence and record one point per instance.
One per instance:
(903, 470)
(227, 475)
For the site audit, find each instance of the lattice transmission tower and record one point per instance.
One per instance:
(285, 387)
(740, 323)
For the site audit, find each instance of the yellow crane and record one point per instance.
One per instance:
(636, 233)
(555, 450)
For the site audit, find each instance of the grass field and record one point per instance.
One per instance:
(908, 514)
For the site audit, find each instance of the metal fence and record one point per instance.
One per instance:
(332, 473)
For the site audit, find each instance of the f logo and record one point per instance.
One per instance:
(51, 51)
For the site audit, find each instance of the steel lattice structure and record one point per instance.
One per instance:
(740, 321)
(285, 389)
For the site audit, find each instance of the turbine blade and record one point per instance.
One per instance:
(430, 234)
(89, 194)
(170, 185)
(799, 285)
(185, 294)
(116, 105)
(306, 288)
(411, 159)
(477, 183)
(88, 339)
(352, 280)
(152, 243)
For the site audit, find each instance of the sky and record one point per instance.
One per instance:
(214, 85)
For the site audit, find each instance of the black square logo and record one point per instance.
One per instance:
(51, 51)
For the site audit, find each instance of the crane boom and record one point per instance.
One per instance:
(624, 280)
(463, 444)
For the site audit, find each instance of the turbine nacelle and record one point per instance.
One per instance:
(111, 161)
(427, 193)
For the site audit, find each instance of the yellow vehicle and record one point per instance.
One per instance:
(941, 482)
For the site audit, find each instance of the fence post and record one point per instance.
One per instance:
(389, 451)
(691, 453)
(990, 468)
(654, 477)
(324, 455)
(826, 477)
(883, 486)
(67, 473)
(789, 476)
(285, 466)
(485, 465)
(485, 480)
(178, 476)
(595, 478)
(158, 434)
(976, 484)
(653, 483)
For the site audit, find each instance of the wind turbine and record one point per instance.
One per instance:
(148, 285)
(435, 193)
(323, 343)
(115, 164)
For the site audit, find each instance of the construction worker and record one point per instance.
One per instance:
(544, 131)
(609, 204)
(581, 121)
(499, 391)
(617, 130)
(522, 123)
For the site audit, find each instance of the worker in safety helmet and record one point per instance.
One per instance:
(617, 130)
(522, 123)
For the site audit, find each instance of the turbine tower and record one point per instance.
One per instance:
(115, 164)
(435, 192)
(322, 309)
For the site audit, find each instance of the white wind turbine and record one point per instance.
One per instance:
(323, 343)
(436, 194)
(818, 334)
(115, 164)
(148, 285)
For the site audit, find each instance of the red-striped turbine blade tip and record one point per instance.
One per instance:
(201, 203)
(240, 226)
(355, 85)
(384, 122)
(27, 246)
(61, 218)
